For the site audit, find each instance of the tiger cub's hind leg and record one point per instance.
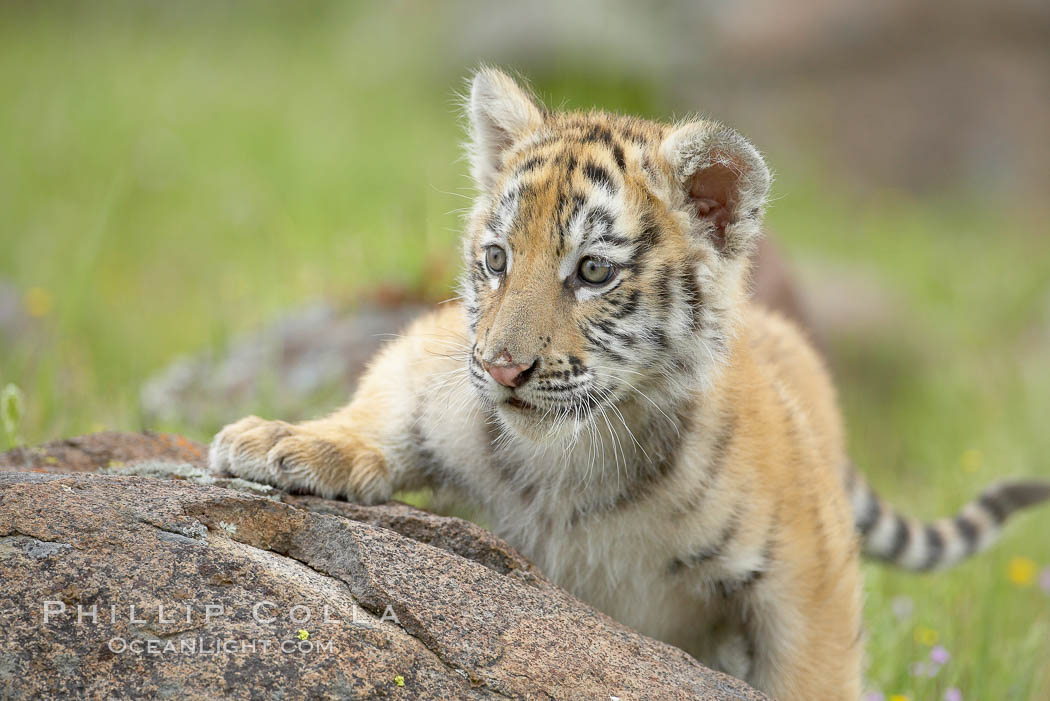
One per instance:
(806, 644)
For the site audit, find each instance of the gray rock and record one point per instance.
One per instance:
(306, 356)
(131, 586)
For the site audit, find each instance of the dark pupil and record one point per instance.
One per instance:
(594, 271)
(496, 259)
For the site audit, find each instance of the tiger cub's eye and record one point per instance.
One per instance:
(595, 271)
(496, 259)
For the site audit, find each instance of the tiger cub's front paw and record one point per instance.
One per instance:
(328, 461)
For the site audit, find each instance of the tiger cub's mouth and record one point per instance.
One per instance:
(520, 404)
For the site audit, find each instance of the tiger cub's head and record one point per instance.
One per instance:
(606, 256)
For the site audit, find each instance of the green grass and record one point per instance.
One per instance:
(169, 177)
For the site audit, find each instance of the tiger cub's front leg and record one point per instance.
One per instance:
(356, 452)
(330, 457)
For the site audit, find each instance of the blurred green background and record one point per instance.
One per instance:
(172, 175)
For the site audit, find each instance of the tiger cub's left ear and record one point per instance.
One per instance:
(501, 113)
(722, 181)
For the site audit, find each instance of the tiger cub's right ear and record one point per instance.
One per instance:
(722, 183)
(501, 113)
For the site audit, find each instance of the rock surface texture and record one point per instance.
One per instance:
(158, 580)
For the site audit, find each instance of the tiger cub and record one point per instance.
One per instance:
(607, 394)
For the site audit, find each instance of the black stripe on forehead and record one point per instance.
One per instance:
(530, 164)
(568, 159)
(568, 206)
(602, 135)
(613, 239)
(634, 136)
(582, 132)
(566, 209)
(599, 134)
(599, 176)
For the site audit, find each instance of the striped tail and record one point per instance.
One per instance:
(914, 545)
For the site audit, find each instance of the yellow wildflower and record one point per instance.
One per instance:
(303, 635)
(926, 636)
(1021, 571)
(899, 697)
(399, 680)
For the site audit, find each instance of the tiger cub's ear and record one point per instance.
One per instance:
(501, 113)
(722, 181)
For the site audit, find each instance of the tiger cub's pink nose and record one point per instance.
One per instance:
(507, 372)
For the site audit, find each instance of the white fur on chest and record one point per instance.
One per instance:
(616, 559)
(617, 562)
